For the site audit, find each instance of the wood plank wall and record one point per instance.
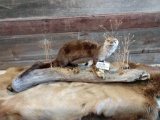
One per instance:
(78, 24)
(61, 8)
(20, 40)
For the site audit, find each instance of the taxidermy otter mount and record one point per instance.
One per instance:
(71, 51)
(77, 49)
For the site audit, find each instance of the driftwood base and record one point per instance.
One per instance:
(39, 76)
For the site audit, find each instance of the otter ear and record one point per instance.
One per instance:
(107, 40)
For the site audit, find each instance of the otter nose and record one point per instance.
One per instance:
(115, 41)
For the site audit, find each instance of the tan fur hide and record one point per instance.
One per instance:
(72, 101)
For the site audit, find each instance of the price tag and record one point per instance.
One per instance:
(103, 65)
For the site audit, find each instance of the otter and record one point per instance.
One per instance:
(77, 49)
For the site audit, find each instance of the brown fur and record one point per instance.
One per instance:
(69, 52)
(154, 81)
(74, 50)
(138, 99)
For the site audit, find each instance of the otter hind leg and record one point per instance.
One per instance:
(72, 65)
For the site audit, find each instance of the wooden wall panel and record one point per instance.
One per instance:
(78, 24)
(25, 49)
(23, 24)
(61, 8)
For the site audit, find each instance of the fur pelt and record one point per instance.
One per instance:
(73, 101)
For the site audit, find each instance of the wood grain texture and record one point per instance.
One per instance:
(40, 76)
(24, 23)
(25, 49)
(77, 24)
(147, 58)
(61, 8)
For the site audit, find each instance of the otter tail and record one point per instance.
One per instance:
(37, 65)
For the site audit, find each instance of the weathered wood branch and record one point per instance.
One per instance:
(39, 76)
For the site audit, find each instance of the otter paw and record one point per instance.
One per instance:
(101, 74)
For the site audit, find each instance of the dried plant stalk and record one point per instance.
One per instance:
(46, 46)
(114, 26)
(122, 55)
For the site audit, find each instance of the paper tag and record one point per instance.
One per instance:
(103, 65)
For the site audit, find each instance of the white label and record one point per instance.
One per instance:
(103, 65)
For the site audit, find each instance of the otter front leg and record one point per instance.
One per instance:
(99, 72)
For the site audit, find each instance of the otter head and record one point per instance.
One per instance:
(110, 45)
(111, 41)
